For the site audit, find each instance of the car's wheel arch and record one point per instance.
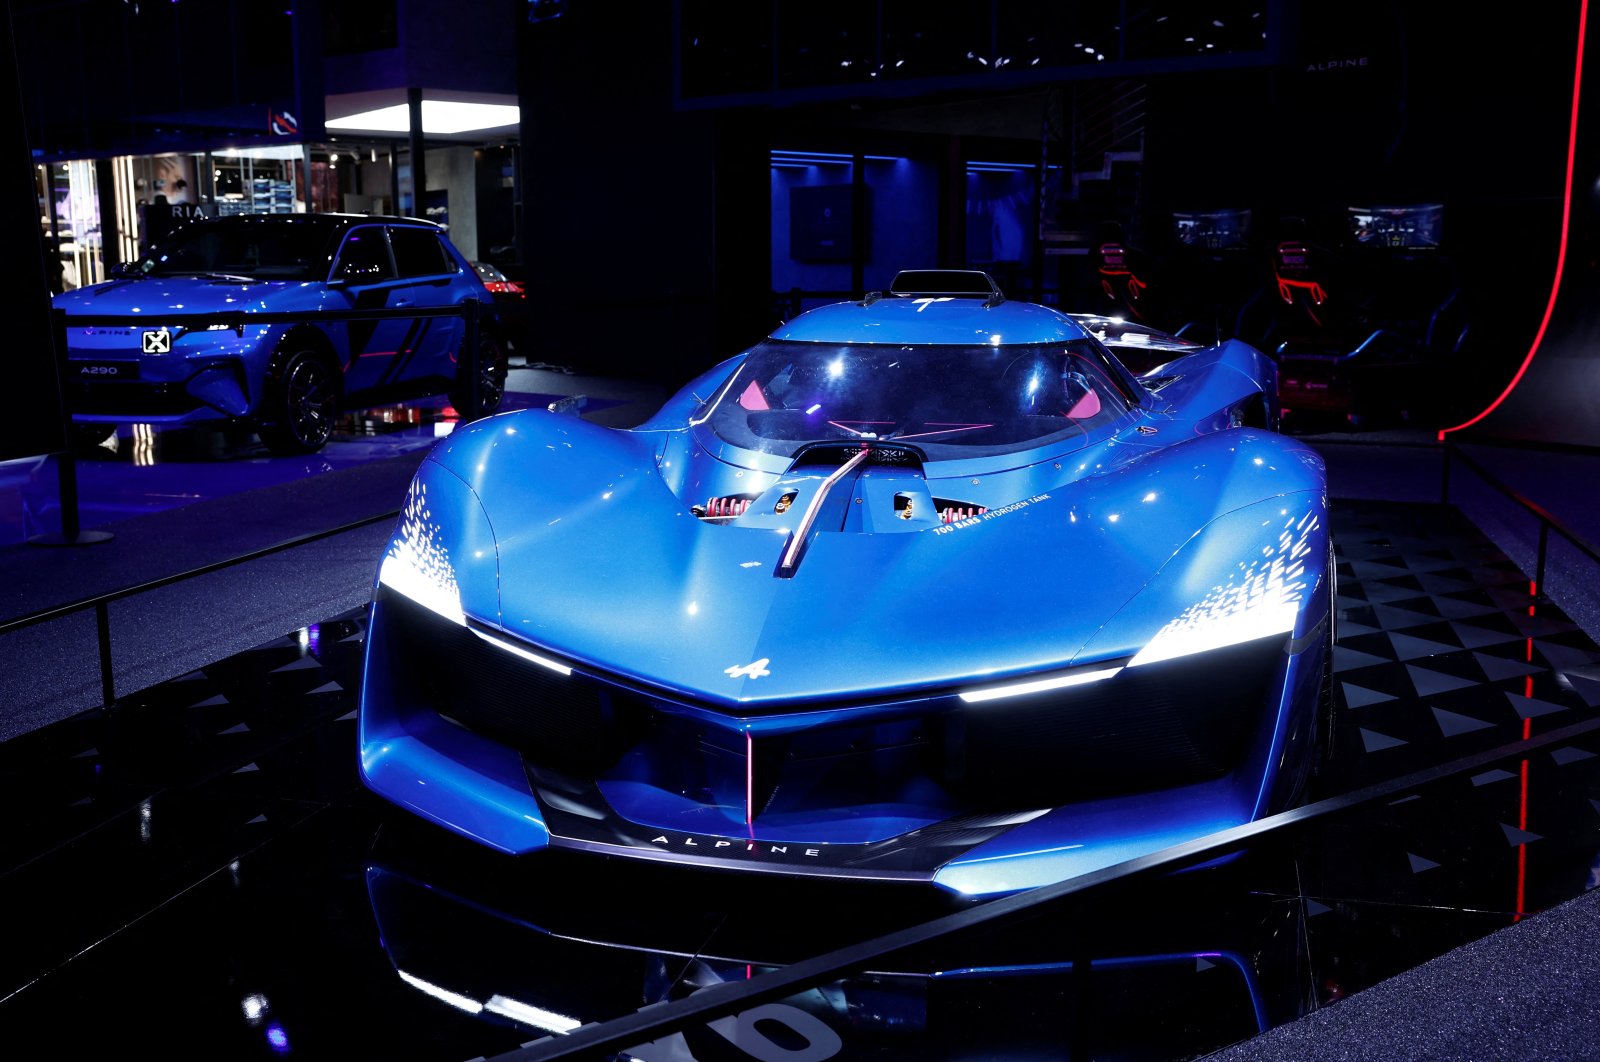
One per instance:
(299, 338)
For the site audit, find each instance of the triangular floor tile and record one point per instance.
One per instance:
(1564, 756)
(1387, 593)
(1453, 724)
(356, 637)
(351, 714)
(1313, 908)
(1376, 742)
(1201, 964)
(1530, 708)
(240, 728)
(258, 818)
(1349, 659)
(211, 702)
(1408, 647)
(1418, 864)
(1593, 803)
(1515, 836)
(86, 753)
(1498, 667)
(1428, 683)
(247, 768)
(1348, 628)
(1379, 566)
(1359, 697)
(1443, 584)
(1394, 618)
(305, 663)
(1495, 775)
(193, 676)
(1478, 637)
(328, 687)
(1565, 657)
(1454, 608)
(85, 802)
(1586, 688)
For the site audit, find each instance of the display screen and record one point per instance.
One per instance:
(1214, 229)
(1410, 227)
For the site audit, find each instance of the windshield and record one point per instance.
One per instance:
(253, 248)
(952, 401)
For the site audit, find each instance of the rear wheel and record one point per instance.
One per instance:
(302, 401)
(492, 366)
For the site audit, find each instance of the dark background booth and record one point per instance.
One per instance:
(1395, 202)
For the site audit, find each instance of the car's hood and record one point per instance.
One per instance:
(600, 562)
(147, 296)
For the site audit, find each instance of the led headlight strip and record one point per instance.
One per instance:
(517, 650)
(1022, 689)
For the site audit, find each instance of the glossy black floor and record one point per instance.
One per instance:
(196, 871)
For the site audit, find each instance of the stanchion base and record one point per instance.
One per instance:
(85, 538)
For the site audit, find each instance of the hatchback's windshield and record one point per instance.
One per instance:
(255, 249)
(952, 401)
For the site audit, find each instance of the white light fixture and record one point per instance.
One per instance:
(441, 117)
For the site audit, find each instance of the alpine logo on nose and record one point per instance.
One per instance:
(752, 670)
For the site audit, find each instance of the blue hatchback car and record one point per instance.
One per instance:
(288, 380)
(922, 587)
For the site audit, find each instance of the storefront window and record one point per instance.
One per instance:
(263, 181)
(69, 217)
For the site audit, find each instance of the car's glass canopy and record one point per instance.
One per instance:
(258, 248)
(952, 401)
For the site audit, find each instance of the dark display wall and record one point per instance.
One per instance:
(105, 77)
(1553, 396)
(33, 424)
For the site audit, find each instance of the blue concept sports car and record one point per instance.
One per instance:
(922, 587)
(289, 380)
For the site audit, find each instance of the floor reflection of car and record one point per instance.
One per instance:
(1171, 981)
(287, 379)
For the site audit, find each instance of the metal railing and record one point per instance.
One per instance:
(101, 602)
(470, 311)
(1450, 453)
(1548, 521)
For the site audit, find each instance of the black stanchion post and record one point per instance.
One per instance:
(102, 623)
(72, 534)
(1538, 569)
(470, 358)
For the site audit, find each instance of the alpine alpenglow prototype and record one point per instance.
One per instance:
(921, 587)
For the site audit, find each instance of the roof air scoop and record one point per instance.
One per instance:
(942, 284)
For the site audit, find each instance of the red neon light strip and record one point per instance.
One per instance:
(1522, 849)
(1566, 222)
